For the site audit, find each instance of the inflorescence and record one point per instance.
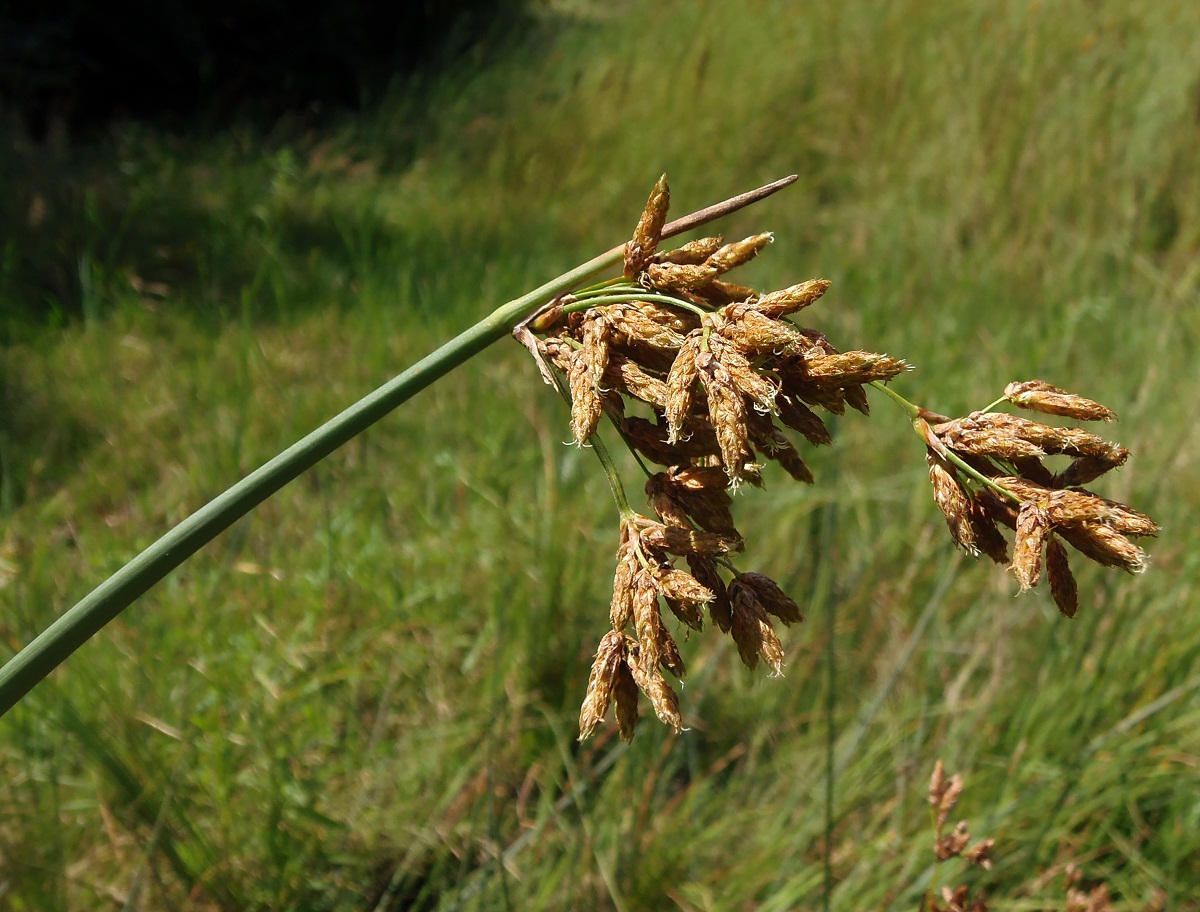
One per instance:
(724, 373)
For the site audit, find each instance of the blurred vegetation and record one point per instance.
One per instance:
(364, 696)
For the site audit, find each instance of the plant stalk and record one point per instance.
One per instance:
(76, 626)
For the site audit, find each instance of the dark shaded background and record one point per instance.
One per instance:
(82, 63)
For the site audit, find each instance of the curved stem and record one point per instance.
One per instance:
(76, 626)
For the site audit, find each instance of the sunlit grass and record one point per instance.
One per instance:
(364, 695)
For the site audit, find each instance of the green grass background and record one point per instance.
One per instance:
(364, 695)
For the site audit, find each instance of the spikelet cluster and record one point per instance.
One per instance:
(1043, 508)
(709, 380)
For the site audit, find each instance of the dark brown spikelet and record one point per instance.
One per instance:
(1033, 525)
(771, 597)
(685, 596)
(791, 299)
(799, 417)
(649, 229)
(691, 253)
(681, 541)
(752, 630)
(625, 695)
(1089, 468)
(953, 501)
(696, 441)
(773, 444)
(609, 657)
(737, 253)
(1062, 580)
(1040, 396)
(988, 537)
(705, 570)
(697, 492)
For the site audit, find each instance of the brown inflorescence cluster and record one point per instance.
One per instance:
(708, 379)
(987, 471)
(721, 377)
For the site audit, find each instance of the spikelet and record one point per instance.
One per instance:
(727, 414)
(1040, 396)
(738, 253)
(988, 539)
(757, 334)
(1032, 527)
(1089, 468)
(609, 657)
(791, 299)
(684, 595)
(773, 599)
(752, 630)
(704, 569)
(625, 695)
(799, 417)
(657, 690)
(647, 622)
(953, 501)
(681, 384)
(853, 367)
(620, 612)
(678, 277)
(1062, 580)
(649, 229)
(586, 404)
(691, 253)
(677, 540)
(1104, 545)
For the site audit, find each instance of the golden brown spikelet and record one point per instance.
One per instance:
(758, 389)
(681, 541)
(620, 611)
(1062, 580)
(628, 377)
(718, 293)
(625, 696)
(586, 404)
(1000, 434)
(1103, 544)
(953, 501)
(727, 415)
(791, 299)
(609, 657)
(655, 687)
(757, 334)
(649, 229)
(1033, 525)
(671, 277)
(1040, 396)
(647, 325)
(691, 253)
(853, 367)
(681, 383)
(685, 596)
(647, 621)
(737, 253)
(773, 599)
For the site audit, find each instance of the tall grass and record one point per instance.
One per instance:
(363, 695)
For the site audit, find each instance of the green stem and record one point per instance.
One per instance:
(992, 405)
(75, 627)
(913, 410)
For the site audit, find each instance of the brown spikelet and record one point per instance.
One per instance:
(799, 417)
(643, 324)
(680, 278)
(853, 367)
(727, 414)
(695, 491)
(774, 445)
(1103, 544)
(696, 441)
(757, 334)
(586, 404)
(771, 597)
(856, 398)
(1032, 527)
(691, 253)
(1003, 435)
(649, 229)
(681, 384)
(705, 570)
(791, 299)
(1031, 467)
(625, 695)
(1062, 580)
(759, 390)
(988, 538)
(678, 540)
(609, 656)
(1089, 468)
(684, 595)
(1040, 396)
(647, 621)
(752, 630)
(737, 253)
(953, 501)
(620, 611)
(718, 293)
(656, 689)
(628, 377)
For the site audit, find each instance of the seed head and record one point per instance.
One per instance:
(691, 253)
(609, 657)
(773, 599)
(752, 630)
(1033, 524)
(671, 277)
(625, 695)
(739, 252)
(791, 299)
(704, 568)
(953, 501)
(1040, 396)
(1062, 580)
(656, 689)
(649, 229)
